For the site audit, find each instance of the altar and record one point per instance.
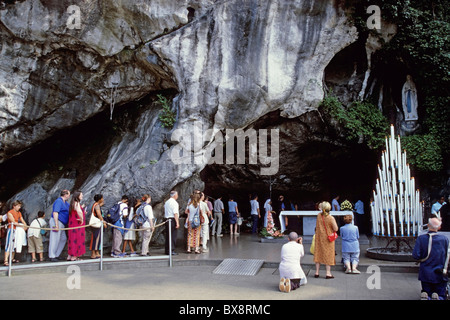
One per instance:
(309, 219)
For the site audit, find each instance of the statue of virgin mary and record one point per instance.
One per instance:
(409, 100)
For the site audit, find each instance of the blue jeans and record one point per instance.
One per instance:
(352, 257)
(255, 220)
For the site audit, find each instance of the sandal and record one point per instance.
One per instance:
(197, 251)
(5, 263)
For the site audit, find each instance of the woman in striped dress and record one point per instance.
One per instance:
(193, 237)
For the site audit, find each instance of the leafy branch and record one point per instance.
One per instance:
(166, 116)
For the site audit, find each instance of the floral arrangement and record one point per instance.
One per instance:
(271, 231)
(346, 205)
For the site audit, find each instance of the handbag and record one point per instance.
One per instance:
(332, 236)
(94, 221)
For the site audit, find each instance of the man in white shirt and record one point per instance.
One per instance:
(172, 212)
(219, 210)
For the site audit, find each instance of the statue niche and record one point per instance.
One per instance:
(410, 106)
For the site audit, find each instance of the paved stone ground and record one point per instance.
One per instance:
(191, 278)
(199, 283)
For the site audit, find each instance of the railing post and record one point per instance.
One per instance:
(101, 247)
(170, 242)
(11, 236)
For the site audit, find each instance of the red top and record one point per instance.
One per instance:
(17, 215)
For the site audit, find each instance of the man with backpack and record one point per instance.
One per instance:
(115, 215)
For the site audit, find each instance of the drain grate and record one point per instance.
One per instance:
(239, 267)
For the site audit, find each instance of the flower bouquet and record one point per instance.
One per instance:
(346, 205)
(270, 231)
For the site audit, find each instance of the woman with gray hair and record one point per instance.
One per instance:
(291, 272)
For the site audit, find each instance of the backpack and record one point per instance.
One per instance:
(140, 218)
(113, 214)
(195, 223)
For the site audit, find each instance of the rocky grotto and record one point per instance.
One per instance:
(79, 105)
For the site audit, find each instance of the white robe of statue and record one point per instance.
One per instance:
(409, 100)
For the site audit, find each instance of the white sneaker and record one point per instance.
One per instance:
(434, 296)
(424, 296)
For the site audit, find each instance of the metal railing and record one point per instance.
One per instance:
(9, 247)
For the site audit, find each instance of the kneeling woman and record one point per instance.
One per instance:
(291, 272)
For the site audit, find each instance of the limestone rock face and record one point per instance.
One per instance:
(230, 62)
(53, 76)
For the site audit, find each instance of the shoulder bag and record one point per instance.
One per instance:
(94, 221)
(332, 236)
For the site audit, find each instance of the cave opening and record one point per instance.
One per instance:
(314, 165)
(74, 152)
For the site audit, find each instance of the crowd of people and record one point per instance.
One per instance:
(67, 223)
(323, 248)
(205, 218)
(431, 250)
(71, 216)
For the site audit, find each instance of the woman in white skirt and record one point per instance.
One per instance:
(130, 235)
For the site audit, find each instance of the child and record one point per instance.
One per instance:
(350, 245)
(35, 244)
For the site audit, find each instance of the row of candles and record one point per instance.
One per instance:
(396, 209)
